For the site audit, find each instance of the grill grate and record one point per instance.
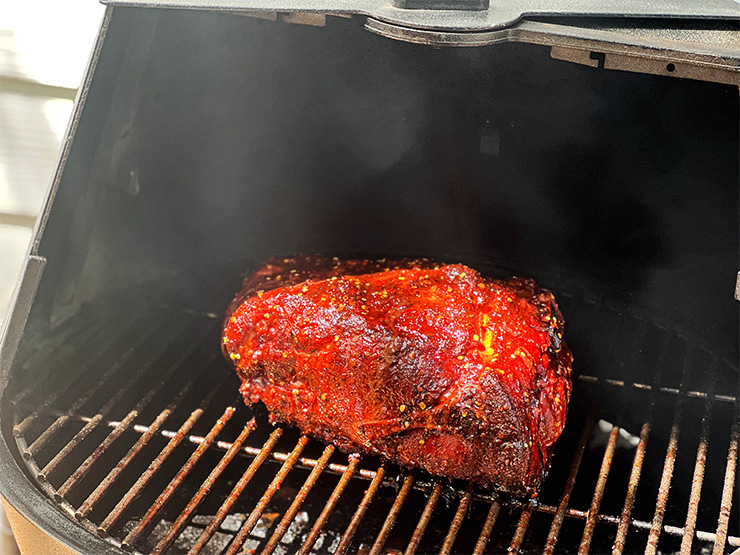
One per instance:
(148, 448)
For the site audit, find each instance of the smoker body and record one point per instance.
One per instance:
(204, 142)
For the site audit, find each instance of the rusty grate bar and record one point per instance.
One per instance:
(698, 478)
(557, 522)
(390, 520)
(349, 533)
(178, 525)
(462, 510)
(24, 424)
(593, 511)
(298, 501)
(116, 432)
(310, 463)
(229, 502)
(86, 430)
(143, 440)
(636, 471)
(155, 465)
(425, 518)
(634, 481)
(726, 504)
(670, 461)
(133, 535)
(96, 420)
(521, 529)
(318, 526)
(82, 469)
(485, 534)
(267, 496)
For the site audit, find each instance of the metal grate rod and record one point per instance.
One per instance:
(390, 520)
(223, 511)
(593, 511)
(155, 465)
(178, 525)
(143, 440)
(636, 472)
(521, 529)
(256, 513)
(349, 533)
(124, 425)
(670, 461)
(131, 537)
(82, 469)
(639, 524)
(298, 501)
(425, 518)
(313, 535)
(485, 534)
(726, 504)
(647, 387)
(557, 522)
(462, 510)
(698, 478)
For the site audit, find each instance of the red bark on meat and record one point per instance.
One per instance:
(429, 366)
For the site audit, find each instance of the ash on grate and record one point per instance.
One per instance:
(264, 524)
(221, 539)
(293, 533)
(187, 539)
(327, 542)
(190, 535)
(249, 547)
(296, 528)
(231, 523)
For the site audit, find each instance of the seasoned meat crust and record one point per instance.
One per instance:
(429, 366)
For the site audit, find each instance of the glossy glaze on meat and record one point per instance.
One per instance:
(429, 366)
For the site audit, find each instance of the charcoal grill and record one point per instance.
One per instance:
(204, 142)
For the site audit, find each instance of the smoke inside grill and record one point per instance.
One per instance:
(139, 434)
